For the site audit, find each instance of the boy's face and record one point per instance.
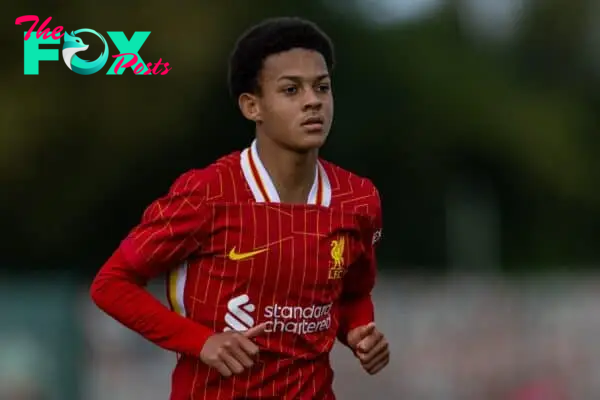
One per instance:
(295, 104)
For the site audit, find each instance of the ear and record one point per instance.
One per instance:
(250, 107)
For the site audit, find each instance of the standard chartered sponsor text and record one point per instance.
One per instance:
(296, 319)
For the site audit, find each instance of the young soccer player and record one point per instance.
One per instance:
(269, 251)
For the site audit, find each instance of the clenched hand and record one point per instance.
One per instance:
(370, 346)
(232, 352)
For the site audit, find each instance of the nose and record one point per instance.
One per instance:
(312, 100)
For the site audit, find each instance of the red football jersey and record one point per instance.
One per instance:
(238, 257)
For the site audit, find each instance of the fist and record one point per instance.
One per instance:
(232, 352)
(370, 347)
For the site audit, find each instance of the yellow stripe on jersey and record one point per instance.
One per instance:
(172, 296)
(176, 288)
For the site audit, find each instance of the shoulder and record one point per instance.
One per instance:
(205, 182)
(351, 189)
(357, 194)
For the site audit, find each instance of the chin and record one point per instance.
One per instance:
(309, 142)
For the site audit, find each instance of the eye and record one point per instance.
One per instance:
(324, 87)
(290, 90)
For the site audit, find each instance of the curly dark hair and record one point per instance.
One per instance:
(273, 36)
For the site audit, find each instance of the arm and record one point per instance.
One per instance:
(170, 230)
(356, 304)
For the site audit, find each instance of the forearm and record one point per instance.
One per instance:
(120, 293)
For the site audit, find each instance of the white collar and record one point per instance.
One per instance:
(264, 190)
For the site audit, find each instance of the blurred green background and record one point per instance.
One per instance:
(489, 102)
(477, 119)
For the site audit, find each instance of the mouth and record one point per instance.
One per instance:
(313, 124)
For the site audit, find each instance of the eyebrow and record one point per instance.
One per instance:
(298, 78)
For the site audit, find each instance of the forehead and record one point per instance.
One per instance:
(295, 62)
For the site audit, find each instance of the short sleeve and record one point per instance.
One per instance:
(171, 228)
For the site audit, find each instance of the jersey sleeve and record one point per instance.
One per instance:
(356, 304)
(171, 228)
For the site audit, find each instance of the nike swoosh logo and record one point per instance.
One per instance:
(235, 256)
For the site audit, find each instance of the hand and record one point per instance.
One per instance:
(232, 352)
(370, 346)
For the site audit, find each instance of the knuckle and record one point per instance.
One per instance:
(213, 358)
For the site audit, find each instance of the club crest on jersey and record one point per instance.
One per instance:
(337, 256)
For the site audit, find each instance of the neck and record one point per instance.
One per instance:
(292, 173)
